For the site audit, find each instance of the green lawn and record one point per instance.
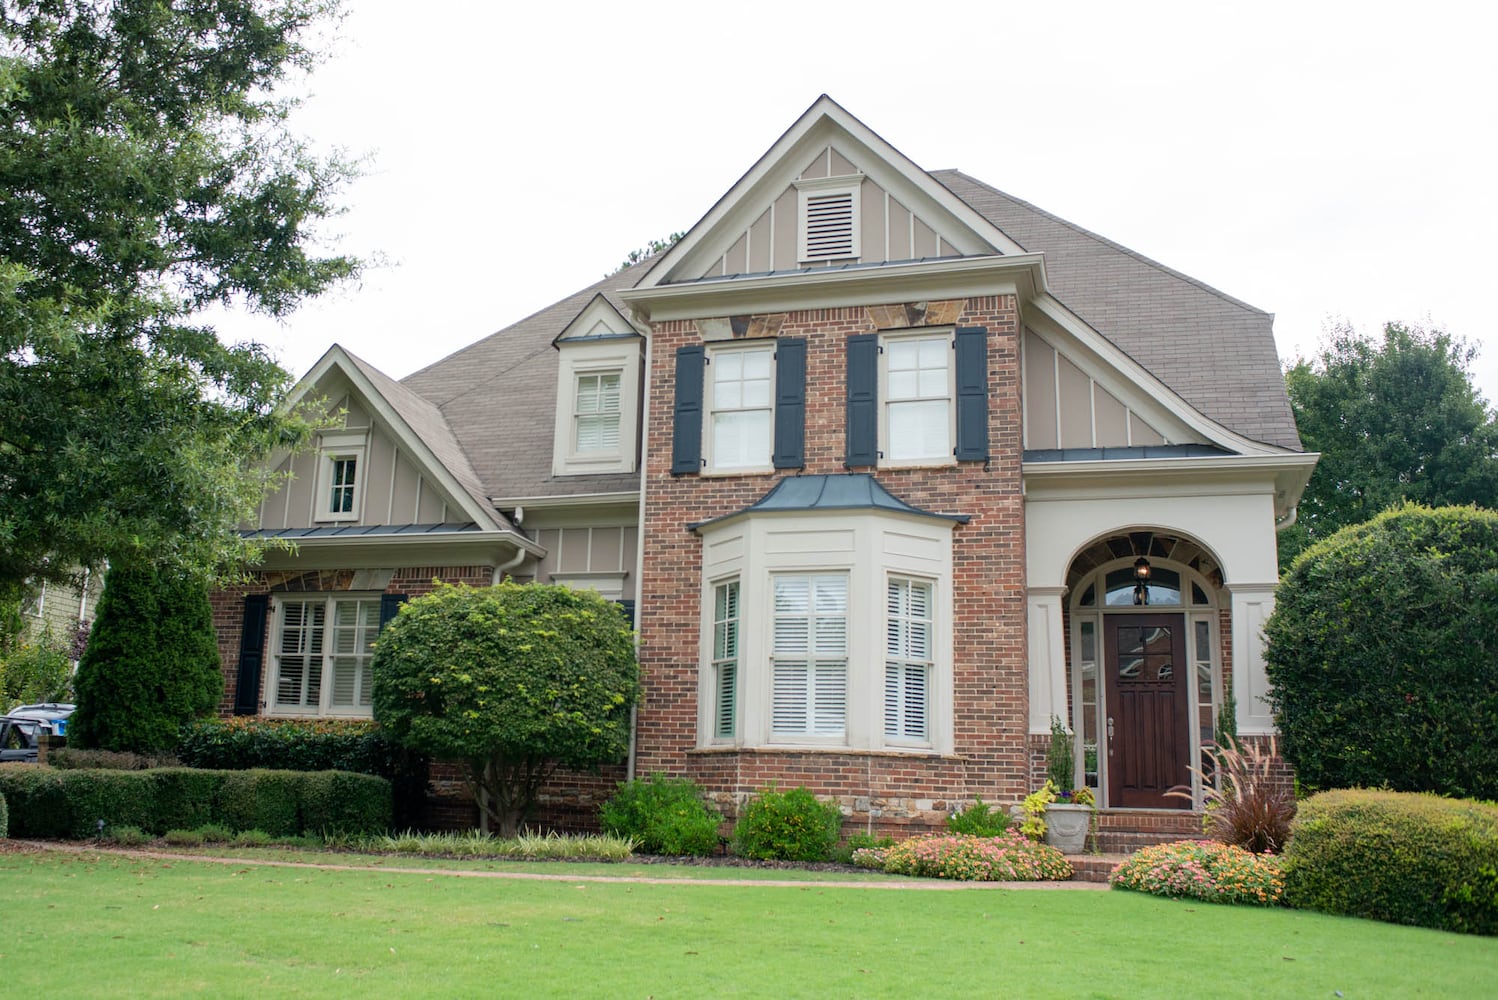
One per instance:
(103, 925)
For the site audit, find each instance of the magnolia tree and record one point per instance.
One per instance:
(512, 681)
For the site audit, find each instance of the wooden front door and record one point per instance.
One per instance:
(1148, 717)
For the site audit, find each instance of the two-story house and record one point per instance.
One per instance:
(893, 468)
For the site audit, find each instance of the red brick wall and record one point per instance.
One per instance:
(989, 652)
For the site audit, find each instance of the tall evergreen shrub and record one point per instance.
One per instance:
(151, 665)
(1383, 655)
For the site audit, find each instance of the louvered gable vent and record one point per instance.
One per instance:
(829, 221)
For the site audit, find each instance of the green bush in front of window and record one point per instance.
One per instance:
(1400, 857)
(1382, 655)
(663, 816)
(151, 665)
(787, 826)
(978, 820)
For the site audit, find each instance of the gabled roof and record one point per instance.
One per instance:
(1218, 353)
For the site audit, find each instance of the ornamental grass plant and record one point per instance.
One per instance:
(1011, 857)
(1203, 869)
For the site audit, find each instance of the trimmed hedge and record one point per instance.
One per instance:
(787, 826)
(69, 804)
(354, 745)
(1399, 857)
(1382, 655)
(663, 816)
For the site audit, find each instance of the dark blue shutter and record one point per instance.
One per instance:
(686, 430)
(251, 654)
(390, 606)
(790, 403)
(863, 400)
(972, 394)
(628, 607)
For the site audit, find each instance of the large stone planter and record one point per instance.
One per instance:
(1066, 827)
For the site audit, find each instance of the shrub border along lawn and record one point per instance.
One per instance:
(51, 803)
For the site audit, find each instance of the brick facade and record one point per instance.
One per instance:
(880, 790)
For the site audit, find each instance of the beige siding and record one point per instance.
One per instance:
(1112, 430)
(816, 168)
(925, 240)
(1066, 408)
(1040, 394)
(1076, 405)
(899, 245)
(736, 260)
(840, 165)
(606, 552)
(1141, 433)
(759, 244)
(785, 231)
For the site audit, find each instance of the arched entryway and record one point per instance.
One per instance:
(1145, 616)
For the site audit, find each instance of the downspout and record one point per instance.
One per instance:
(1288, 520)
(641, 450)
(505, 567)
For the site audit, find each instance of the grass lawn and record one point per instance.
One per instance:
(103, 925)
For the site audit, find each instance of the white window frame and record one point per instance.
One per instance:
(711, 453)
(904, 657)
(601, 413)
(583, 358)
(866, 547)
(334, 449)
(726, 652)
(322, 653)
(945, 455)
(824, 187)
(815, 676)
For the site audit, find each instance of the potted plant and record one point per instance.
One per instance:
(1064, 811)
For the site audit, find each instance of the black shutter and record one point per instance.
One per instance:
(790, 403)
(972, 394)
(251, 654)
(686, 431)
(863, 400)
(628, 607)
(390, 606)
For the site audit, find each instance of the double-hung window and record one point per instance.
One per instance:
(322, 650)
(740, 419)
(340, 477)
(596, 412)
(726, 659)
(908, 660)
(809, 653)
(918, 399)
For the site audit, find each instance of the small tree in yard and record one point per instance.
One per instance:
(151, 664)
(512, 680)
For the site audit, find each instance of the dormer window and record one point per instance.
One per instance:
(595, 418)
(829, 227)
(340, 486)
(598, 394)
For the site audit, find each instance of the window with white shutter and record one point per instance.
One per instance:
(596, 412)
(908, 660)
(809, 653)
(322, 652)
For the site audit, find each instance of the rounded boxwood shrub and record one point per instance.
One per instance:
(1404, 858)
(663, 816)
(1383, 655)
(787, 826)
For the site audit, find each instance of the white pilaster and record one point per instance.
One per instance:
(1047, 658)
(1252, 603)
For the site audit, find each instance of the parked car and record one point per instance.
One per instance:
(51, 716)
(21, 725)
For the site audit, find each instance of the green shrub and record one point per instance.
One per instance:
(978, 820)
(844, 852)
(76, 758)
(787, 826)
(1012, 857)
(1404, 858)
(1382, 655)
(127, 836)
(663, 816)
(251, 838)
(151, 665)
(183, 838)
(69, 804)
(356, 745)
(4, 819)
(33, 671)
(1202, 869)
(215, 833)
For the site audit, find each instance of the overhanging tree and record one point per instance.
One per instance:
(147, 173)
(1394, 419)
(513, 681)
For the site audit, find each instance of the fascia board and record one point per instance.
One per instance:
(959, 277)
(598, 308)
(370, 551)
(337, 357)
(1157, 392)
(565, 501)
(821, 123)
(1285, 475)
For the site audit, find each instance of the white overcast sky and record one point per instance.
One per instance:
(1321, 161)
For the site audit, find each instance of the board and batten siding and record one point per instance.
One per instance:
(1067, 408)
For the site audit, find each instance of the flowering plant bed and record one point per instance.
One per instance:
(1011, 857)
(1205, 870)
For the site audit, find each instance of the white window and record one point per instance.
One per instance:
(726, 659)
(810, 655)
(908, 661)
(917, 412)
(740, 420)
(596, 412)
(340, 478)
(322, 654)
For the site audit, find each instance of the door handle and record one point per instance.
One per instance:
(1110, 736)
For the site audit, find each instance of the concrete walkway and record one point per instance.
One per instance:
(933, 885)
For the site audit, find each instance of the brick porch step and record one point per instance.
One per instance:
(1094, 867)
(1124, 831)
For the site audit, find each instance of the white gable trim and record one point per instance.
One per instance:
(598, 319)
(825, 123)
(427, 463)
